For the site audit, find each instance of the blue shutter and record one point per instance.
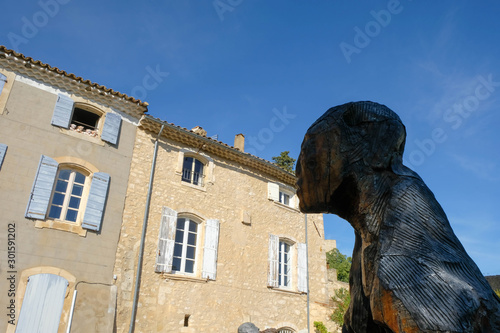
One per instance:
(3, 150)
(42, 188)
(210, 250)
(63, 111)
(42, 304)
(96, 201)
(111, 128)
(166, 241)
(3, 79)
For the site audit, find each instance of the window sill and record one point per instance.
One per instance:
(82, 136)
(288, 291)
(279, 204)
(196, 187)
(63, 226)
(179, 277)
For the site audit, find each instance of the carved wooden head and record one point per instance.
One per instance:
(348, 141)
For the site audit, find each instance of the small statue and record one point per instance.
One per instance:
(409, 273)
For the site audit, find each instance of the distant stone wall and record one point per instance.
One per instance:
(494, 281)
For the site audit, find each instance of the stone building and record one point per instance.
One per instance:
(224, 244)
(65, 153)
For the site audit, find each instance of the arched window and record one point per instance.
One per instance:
(192, 171)
(186, 241)
(285, 330)
(66, 203)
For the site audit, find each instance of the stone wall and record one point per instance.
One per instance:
(240, 293)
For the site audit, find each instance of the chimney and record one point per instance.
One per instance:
(199, 130)
(239, 142)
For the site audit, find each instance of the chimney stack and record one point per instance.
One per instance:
(239, 142)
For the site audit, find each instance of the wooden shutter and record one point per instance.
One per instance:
(3, 150)
(272, 277)
(63, 111)
(42, 188)
(302, 267)
(111, 128)
(210, 250)
(273, 191)
(42, 304)
(97, 200)
(166, 241)
(3, 79)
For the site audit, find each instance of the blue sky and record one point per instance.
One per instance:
(269, 69)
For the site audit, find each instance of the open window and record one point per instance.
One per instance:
(282, 194)
(85, 119)
(287, 262)
(192, 171)
(68, 193)
(180, 248)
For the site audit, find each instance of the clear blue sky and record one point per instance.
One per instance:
(268, 69)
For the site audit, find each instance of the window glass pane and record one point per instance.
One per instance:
(178, 250)
(74, 202)
(61, 186)
(179, 236)
(64, 174)
(189, 266)
(190, 252)
(71, 215)
(193, 226)
(180, 223)
(176, 264)
(191, 239)
(198, 167)
(77, 190)
(55, 212)
(188, 163)
(79, 178)
(58, 199)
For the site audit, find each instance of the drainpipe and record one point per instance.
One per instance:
(307, 275)
(143, 236)
(71, 311)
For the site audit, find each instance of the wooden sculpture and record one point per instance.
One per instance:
(409, 273)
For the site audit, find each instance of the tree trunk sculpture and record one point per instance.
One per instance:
(409, 273)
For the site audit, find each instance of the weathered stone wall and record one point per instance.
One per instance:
(25, 126)
(240, 292)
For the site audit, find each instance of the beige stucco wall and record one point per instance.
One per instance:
(25, 126)
(240, 292)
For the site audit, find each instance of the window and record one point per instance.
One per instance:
(285, 330)
(185, 246)
(284, 262)
(3, 81)
(287, 262)
(282, 194)
(179, 246)
(67, 196)
(192, 171)
(58, 192)
(3, 151)
(86, 119)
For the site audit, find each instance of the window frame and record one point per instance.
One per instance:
(90, 109)
(282, 244)
(207, 161)
(200, 182)
(184, 244)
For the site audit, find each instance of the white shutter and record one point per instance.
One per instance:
(97, 200)
(273, 191)
(42, 188)
(166, 241)
(210, 250)
(3, 79)
(3, 150)
(302, 267)
(272, 277)
(42, 304)
(63, 111)
(111, 129)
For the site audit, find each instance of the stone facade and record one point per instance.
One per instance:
(235, 193)
(54, 248)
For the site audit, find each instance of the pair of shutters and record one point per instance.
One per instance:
(42, 304)
(42, 190)
(63, 112)
(166, 242)
(273, 273)
(3, 151)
